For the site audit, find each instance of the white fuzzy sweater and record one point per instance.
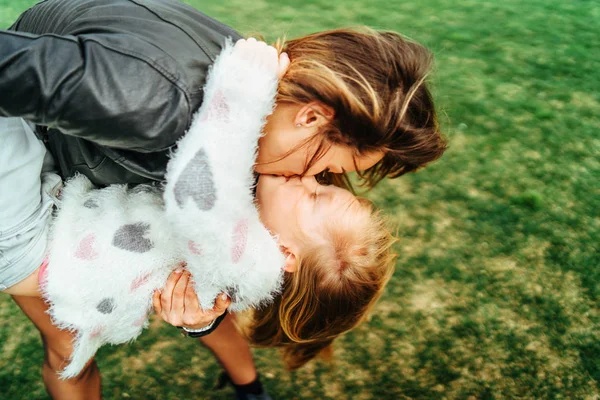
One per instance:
(112, 247)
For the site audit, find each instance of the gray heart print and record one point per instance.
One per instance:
(91, 203)
(106, 306)
(130, 237)
(196, 181)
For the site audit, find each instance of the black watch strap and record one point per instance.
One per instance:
(214, 326)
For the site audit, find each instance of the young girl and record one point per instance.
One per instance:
(124, 81)
(339, 260)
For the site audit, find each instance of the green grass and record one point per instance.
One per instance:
(495, 293)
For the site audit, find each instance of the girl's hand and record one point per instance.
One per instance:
(262, 55)
(178, 303)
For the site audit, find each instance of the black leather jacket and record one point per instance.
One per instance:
(111, 84)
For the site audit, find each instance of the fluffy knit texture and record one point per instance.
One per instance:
(112, 247)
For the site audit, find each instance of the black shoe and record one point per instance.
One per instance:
(248, 396)
(241, 392)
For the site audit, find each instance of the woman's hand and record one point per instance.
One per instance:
(178, 303)
(261, 54)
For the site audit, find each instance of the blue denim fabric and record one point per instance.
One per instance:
(27, 193)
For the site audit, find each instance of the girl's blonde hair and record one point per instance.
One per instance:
(336, 283)
(376, 84)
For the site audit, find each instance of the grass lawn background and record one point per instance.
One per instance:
(495, 293)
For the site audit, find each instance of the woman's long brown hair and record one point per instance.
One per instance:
(376, 84)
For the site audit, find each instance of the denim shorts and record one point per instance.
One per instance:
(28, 190)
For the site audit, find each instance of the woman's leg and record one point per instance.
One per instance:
(232, 351)
(25, 205)
(26, 190)
(27, 187)
(57, 349)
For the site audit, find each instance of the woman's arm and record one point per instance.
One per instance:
(87, 86)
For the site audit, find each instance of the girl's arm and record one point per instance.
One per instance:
(208, 196)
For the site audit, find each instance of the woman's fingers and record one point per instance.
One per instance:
(178, 303)
(179, 293)
(198, 318)
(193, 316)
(221, 303)
(191, 304)
(167, 293)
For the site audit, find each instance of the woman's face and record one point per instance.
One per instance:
(287, 129)
(297, 208)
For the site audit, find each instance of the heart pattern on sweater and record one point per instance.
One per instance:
(106, 306)
(217, 109)
(240, 237)
(196, 181)
(96, 332)
(139, 281)
(194, 248)
(85, 249)
(91, 203)
(130, 237)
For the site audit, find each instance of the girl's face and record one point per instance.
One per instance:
(288, 128)
(297, 208)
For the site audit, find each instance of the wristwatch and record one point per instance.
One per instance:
(206, 330)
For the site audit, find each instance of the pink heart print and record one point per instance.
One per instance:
(85, 249)
(240, 238)
(139, 281)
(96, 332)
(217, 109)
(194, 248)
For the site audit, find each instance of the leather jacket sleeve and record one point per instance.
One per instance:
(91, 95)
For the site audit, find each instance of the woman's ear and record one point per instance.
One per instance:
(291, 262)
(314, 114)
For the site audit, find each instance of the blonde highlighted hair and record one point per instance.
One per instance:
(375, 81)
(336, 283)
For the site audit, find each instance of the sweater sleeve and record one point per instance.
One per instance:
(86, 88)
(208, 196)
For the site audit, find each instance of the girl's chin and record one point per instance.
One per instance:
(267, 184)
(271, 179)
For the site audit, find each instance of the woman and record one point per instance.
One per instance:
(111, 85)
